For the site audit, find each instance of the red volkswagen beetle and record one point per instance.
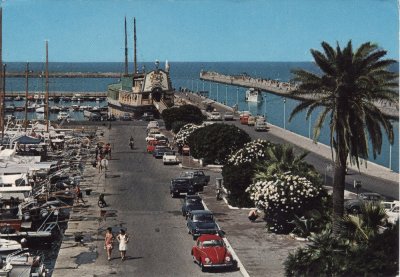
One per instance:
(210, 252)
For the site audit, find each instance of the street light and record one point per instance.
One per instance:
(217, 92)
(328, 168)
(226, 94)
(284, 113)
(237, 96)
(192, 84)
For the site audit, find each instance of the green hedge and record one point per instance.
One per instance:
(184, 114)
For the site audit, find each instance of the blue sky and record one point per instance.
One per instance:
(193, 30)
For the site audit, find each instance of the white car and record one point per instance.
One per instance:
(152, 124)
(215, 116)
(170, 158)
(393, 214)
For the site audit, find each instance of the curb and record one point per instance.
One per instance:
(234, 255)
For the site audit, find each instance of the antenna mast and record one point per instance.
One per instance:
(126, 51)
(26, 96)
(47, 86)
(1, 74)
(134, 43)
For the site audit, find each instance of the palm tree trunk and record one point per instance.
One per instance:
(338, 190)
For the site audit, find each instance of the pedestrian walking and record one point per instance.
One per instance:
(99, 163)
(104, 163)
(79, 195)
(108, 242)
(123, 240)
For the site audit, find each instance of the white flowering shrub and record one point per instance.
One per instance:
(282, 196)
(185, 132)
(251, 152)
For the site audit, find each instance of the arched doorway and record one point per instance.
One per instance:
(156, 94)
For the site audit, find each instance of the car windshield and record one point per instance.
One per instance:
(212, 243)
(204, 218)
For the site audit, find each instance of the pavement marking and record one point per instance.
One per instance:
(235, 256)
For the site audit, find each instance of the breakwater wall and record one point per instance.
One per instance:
(278, 87)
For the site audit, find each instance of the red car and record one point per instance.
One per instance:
(210, 252)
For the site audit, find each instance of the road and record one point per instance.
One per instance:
(386, 188)
(137, 188)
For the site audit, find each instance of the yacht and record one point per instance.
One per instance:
(62, 115)
(253, 95)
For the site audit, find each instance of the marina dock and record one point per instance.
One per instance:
(65, 74)
(276, 87)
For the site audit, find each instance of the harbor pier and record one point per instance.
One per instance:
(280, 88)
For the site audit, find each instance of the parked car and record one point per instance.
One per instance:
(152, 144)
(260, 126)
(126, 117)
(354, 205)
(169, 157)
(192, 203)
(244, 117)
(201, 222)
(228, 116)
(198, 177)
(210, 251)
(159, 151)
(147, 116)
(215, 116)
(251, 120)
(153, 124)
(183, 185)
(161, 137)
(393, 214)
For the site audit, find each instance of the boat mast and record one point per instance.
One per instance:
(134, 49)
(126, 51)
(26, 96)
(47, 86)
(3, 97)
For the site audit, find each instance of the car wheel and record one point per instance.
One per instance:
(355, 210)
(203, 269)
(173, 195)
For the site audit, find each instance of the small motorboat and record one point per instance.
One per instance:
(22, 264)
(9, 246)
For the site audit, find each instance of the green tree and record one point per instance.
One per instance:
(348, 90)
(214, 143)
(179, 116)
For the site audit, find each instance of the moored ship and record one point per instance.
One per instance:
(253, 95)
(140, 93)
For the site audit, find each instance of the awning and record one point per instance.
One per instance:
(28, 140)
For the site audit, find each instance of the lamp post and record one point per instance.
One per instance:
(217, 92)
(328, 168)
(210, 89)
(197, 85)
(226, 94)
(390, 156)
(192, 84)
(309, 127)
(237, 96)
(265, 106)
(284, 113)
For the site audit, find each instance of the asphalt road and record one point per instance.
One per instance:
(137, 188)
(369, 183)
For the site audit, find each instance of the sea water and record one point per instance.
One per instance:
(277, 109)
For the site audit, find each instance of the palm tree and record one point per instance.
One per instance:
(350, 86)
(280, 159)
